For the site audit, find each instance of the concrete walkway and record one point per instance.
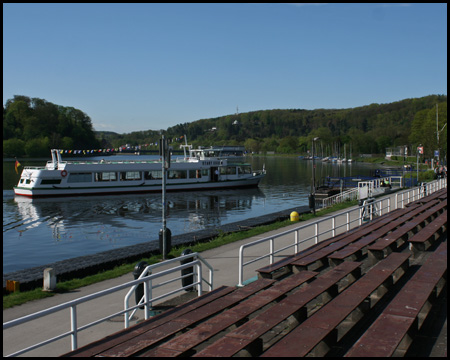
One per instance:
(224, 260)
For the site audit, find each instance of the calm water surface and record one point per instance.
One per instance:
(41, 231)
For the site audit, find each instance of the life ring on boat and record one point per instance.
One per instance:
(64, 173)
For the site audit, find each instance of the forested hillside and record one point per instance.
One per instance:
(367, 129)
(370, 129)
(33, 126)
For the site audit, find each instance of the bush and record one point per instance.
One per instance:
(39, 147)
(13, 147)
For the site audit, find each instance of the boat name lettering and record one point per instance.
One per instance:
(211, 162)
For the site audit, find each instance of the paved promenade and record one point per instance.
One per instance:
(224, 260)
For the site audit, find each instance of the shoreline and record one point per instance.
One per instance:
(81, 266)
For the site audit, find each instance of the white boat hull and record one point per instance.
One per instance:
(139, 188)
(80, 178)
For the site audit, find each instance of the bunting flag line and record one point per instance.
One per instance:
(120, 148)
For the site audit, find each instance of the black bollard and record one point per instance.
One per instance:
(168, 242)
(139, 292)
(189, 280)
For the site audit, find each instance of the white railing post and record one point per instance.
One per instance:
(271, 250)
(73, 327)
(199, 278)
(333, 226)
(146, 300)
(316, 227)
(241, 266)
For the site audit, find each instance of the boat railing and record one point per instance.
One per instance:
(300, 237)
(146, 280)
(34, 167)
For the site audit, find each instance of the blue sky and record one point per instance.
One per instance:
(134, 67)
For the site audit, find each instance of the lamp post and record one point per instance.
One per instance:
(312, 198)
(419, 151)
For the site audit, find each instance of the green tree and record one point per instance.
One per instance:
(13, 147)
(39, 147)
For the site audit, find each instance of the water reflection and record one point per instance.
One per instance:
(41, 231)
(203, 209)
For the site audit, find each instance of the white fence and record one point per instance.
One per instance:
(300, 238)
(146, 280)
(365, 189)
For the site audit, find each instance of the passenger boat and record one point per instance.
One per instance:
(199, 169)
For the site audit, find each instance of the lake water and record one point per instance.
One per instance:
(41, 231)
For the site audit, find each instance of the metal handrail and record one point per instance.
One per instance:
(351, 194)
(134, 283)
(365, 211)
(147, 302)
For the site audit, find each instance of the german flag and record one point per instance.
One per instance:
(16, 165)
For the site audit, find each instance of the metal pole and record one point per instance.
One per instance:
(314, 178)
(437, 133)
(314, 174)
(164, 171)
(417, 165)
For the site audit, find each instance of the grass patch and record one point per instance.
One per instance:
(19, 298)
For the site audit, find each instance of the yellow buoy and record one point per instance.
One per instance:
(294, 216)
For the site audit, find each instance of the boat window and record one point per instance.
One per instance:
(177, 174)
(79, 177)
(205, 172)
(244, 169)
(105, 176)
(228, 170)
(50, 181)
(195, 174)
(153, 175)
(130, 175)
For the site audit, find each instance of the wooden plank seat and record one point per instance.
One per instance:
(315, 256)
(437, 195)
(440, 194)
(422, 241)
(329, 324)
(183, 344)
(393, 241)
(98, 346)
(246, 339)
(388, 224)
(270, 271)
(393, 331)
(136, 338)
(389, 242)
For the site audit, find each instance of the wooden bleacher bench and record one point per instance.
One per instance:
(326, 327)
(100, 345)
(182, 344)
(424, 238)
(379, 247)
(313, 260)
(270, 271)
(440, 194)
(437, 195)
(392, 332)
(352, 246)
(138, 337)
(246, 339)
(393, 241)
